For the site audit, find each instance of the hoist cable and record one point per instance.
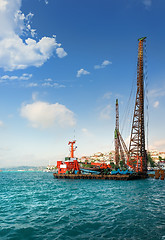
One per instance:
(128, 111)
(146, 92)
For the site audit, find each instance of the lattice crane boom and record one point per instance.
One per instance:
(119, 142)
(116, 135)
(137, 151)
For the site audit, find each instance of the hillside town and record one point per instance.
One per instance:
(109, 158)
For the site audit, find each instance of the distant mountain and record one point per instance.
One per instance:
(24, 168)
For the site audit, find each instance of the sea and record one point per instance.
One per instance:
(35, 205)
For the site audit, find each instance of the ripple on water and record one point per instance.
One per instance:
(37, 206)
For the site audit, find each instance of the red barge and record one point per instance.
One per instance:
(136, 154)
(70, 169)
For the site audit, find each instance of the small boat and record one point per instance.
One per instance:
(91, 168)
(87, 171)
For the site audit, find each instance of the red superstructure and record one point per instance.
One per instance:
(72, 148)
(70, 164)
(101, 165)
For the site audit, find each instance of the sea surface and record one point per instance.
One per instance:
(34, 205)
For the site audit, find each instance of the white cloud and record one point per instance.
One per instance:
(23, 23)
(16, 53)
(47, 83)
(6, 77)
(61, 53)
(156, 104)
(1, 124)
(82, 72)
(34, 96)
(48, 80)
(32, 85)
(160, 92)
(86, 132)
(106, 62)
(46, 115)
(105, 112)
(46, 1)
(3, 5)
(55, 85)
(159, 145)
(155, 96)
(147, 3)
(24, 76)
(103, 64)
(107, 95)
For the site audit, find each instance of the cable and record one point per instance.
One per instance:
(126, 122)
(146, 92)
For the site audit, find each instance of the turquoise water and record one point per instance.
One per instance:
(37, 206)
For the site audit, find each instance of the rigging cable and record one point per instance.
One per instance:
(128, 111)
(146, 92)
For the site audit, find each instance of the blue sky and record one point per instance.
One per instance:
(62, 66)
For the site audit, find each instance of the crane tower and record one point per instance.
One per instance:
(116, 135)
(137, 153)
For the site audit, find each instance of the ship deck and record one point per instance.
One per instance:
(100, 177)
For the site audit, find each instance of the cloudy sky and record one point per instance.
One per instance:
(62, 66)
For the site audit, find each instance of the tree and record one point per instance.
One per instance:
(121, 164)
(150, 160)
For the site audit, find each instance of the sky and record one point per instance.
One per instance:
(63, 64)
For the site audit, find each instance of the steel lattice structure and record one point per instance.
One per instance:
(137, 153)
(119, 142)
(116, 135)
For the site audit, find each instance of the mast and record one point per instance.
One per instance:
(120, 146)
(116, 135)
(137, 142)
(72, 149)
